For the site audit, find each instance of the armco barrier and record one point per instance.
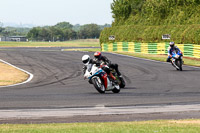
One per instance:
(189, 50)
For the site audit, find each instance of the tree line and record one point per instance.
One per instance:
(62, 31)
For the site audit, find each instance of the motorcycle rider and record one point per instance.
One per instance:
(87, 60)
(172, 49)
(103, 59)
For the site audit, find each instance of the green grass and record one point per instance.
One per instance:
(84, 49)
(78, 43)
(187, 61)
(158, 126)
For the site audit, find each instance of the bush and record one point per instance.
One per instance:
(135, 33)
(148, 20)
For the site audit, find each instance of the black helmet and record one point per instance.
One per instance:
(97, 55)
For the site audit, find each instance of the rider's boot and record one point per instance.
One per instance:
(120, 76)
(113, 78)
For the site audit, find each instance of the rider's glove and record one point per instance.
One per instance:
(170, 56)
(84, 69)
(98, 64)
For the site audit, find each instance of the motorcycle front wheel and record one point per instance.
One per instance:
(179, 64)
(98, 84)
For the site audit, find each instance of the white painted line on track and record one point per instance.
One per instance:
(68, 112)
(28, 80)
(148, 59)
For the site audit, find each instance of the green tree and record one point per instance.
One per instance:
(44, 34)
(33, 34)
(65, 31)
(89, 31)
(64, 25)
(1, 29)
(59, 32)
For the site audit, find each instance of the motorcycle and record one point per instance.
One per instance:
(100, 79)
(119, 79)
(177, 61)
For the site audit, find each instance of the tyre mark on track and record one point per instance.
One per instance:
(71, 77)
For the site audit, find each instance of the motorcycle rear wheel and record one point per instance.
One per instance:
(122, 82)
(115, 90)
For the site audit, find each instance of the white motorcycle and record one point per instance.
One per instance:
(100, 79)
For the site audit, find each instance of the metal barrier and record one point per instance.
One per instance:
(189, 50)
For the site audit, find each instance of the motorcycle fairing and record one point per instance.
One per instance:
(105, 80)
(97, 73)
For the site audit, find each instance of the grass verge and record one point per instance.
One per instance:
(187, 60)
(84, 49)
(158, 126)
(77, 43)
(10, 75)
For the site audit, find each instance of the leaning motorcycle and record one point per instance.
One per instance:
(100, 79)
(177, 61)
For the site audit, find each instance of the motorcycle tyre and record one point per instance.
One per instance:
(179, 64)
(122, 84)
(100, 89)
(115, 90)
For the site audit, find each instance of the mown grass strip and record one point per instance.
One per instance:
(78, 43)
(87, 49)
(156, 126)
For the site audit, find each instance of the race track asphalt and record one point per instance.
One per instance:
(58, 82)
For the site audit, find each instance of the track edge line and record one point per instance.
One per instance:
(28, 80)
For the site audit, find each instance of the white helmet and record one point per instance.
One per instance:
(171, 44)
(86, 59)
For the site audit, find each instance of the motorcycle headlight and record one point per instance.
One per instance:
(177, 56)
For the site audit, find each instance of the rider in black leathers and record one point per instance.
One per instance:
(104, 59)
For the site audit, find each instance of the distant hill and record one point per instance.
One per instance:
(18, 25)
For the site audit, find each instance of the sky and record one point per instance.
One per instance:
(50, 12)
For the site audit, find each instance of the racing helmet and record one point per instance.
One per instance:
(97, 55)
(86, 59)
(171, 44)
